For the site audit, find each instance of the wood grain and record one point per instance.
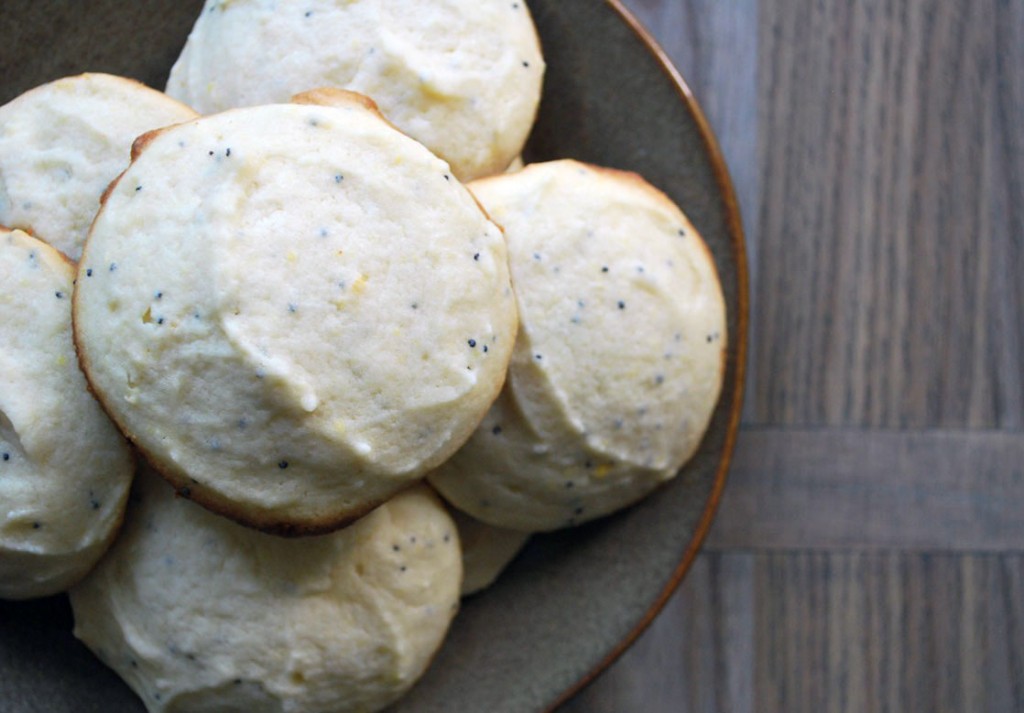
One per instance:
(845, 633)
(886, 296)
(869, 551)
(699, 655)
(887, 632)
(838, 489)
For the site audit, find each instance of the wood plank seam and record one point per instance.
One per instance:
(834, 488)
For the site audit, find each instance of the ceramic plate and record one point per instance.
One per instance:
(573, 600)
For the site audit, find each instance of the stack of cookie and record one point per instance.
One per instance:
(306, 310)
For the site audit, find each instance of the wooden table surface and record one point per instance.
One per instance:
(868, 554)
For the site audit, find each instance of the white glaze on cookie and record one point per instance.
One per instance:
(197, 613)
(286, 308)
(461, 76)
(620, 354)
(61, 144)
(64, 469)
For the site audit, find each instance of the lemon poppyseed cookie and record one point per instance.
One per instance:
(486, 550)
(64, 469)
(293, 310)
(62, 143)
(461, 76)
(620, 354)
(197, 613)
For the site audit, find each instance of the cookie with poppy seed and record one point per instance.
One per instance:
(486, 551)
(197, 613)
(463, 77)
(286, 308)
(620, 354)
(64, 469)
(62, 143)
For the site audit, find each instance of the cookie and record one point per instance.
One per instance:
(620, 354)
(486, 551)
(64, 469)
(61, 144)
(197, 613)
(294, 311)
(462, 77)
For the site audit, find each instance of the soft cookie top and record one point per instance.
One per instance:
(64, 468)
(62, 143)
(293, 310)
(461, 76)
(196, 613)
(620, 354)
